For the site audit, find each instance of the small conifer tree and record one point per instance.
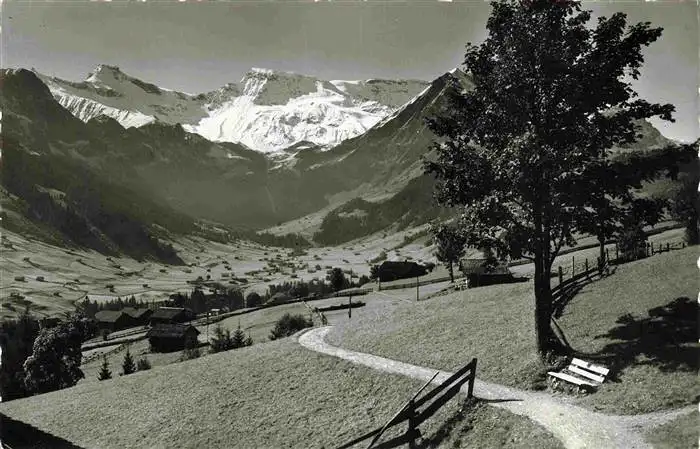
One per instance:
(221, 341)
(238, 338)
(128, 365)
(104, 373)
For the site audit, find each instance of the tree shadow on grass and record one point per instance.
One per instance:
(567, 293)
(446, 429)
(19, 435)
(667, 338)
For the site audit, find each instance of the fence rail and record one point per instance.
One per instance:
(410, 413)
(579, 271)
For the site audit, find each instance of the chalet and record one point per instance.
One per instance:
(172, 337)
(480, 272)
(113, 320)
(141, 315)
(171, 315)
(394, 270)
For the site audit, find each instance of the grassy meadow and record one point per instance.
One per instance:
(273, 395)
(681, 433)
(608, 321)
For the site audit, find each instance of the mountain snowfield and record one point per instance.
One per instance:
(267, 111)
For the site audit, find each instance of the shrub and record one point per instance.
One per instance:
(289, 324)
(143, 364)
(380, 258)
(189, 354)
(253, 300)
(632, 242)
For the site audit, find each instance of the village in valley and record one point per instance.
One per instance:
(498, 255)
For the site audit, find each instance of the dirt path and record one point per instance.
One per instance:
(575, 426)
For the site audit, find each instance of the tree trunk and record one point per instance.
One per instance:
(543, 290)
(543, 307)
(601, 240)
(452, 276)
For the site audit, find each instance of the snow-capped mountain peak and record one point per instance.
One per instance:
(268, 110)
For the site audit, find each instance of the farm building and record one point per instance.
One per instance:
(479, 272)
(171, 315)
(393, 270)
(172, 337)
(113, 320)
(142, 315)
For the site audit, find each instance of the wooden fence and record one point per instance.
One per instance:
(91, 357)
(412, 413)
(583, 269)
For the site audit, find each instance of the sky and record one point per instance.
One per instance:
(198, 47)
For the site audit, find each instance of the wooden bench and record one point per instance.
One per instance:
(585, 375)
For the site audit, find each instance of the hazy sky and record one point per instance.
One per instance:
(197, 47)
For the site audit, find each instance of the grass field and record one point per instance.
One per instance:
(272, 395)
(495, 324)
(681, 433)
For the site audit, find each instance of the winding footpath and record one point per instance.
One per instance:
(576, 427)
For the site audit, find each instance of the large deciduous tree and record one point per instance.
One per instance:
(550, 97)
(55, 360)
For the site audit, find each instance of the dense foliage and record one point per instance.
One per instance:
(224, 341)
(56, 355)
(337, 279)
(17, 341)
(199, 302)
(90, 308)
(686, 208)
(520, 150)
(289, 325)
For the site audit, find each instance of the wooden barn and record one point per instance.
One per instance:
(113, 320)
(172, 337)
(479, 272)
(142, 315)
(171, 315)
(394, 270)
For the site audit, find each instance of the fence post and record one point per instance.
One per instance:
(573, 266)
(587, 275)
(607, 256)
(652, 247)
(472, 378)
(417, 288)
(412, 425)
(561, 275)
(668, 247)
(350, 306)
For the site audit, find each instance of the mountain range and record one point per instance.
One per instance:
(125, 161)
(267, 110)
